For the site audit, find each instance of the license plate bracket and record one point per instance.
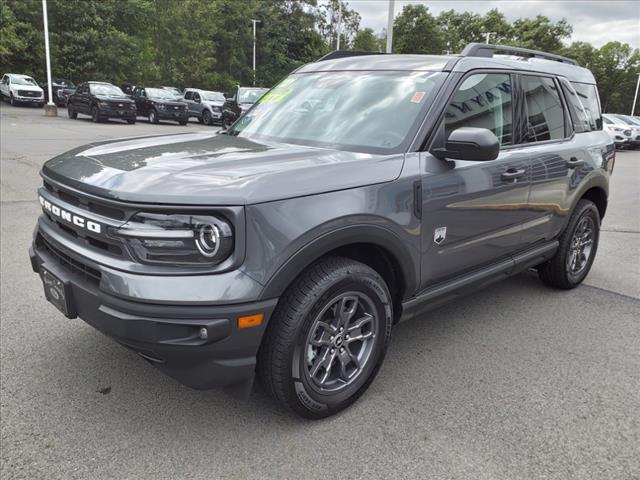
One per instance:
(58, 292)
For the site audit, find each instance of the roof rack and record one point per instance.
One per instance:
(346, 53)
(487, 50)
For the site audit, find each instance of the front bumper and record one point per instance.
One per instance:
(28, 99)
(167, 335)
(117, 113)
(173, 115)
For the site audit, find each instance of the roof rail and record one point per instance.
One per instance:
(345, 53)
(487, 50)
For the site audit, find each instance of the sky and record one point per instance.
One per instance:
(596, 22)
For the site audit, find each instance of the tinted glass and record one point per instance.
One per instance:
(484, 101)
(213, 96)
(250, 95)
(160, 94)
(371, 111)
(588, 95)
(188, 96)
(106, 89)
(545, 116)
(579, 116)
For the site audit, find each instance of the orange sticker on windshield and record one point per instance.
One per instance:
(417, 97)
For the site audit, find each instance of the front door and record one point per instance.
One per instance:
(473, 212)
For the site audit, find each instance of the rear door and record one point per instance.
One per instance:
(473, 212)
(81, 101)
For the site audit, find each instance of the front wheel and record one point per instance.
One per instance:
(578, 244)
(327, 338)
(226, 123)
(95, 115)
(131, 121)
(12, 100)
(153, 116)
(206, 117)
(71, 112)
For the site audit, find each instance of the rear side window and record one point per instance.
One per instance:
(579, 116)
(588, 95)
(545, 115)
(484, 101)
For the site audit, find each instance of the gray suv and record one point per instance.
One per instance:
(361, 191)
(205, 105)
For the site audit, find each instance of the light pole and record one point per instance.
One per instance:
(390, 26)
(254, 50)
(50, 109)
(339, 23)
(635, 97)
(488, 36)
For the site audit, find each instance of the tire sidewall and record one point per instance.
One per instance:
(95, 115)
(153, 116)
(206, 117)
(299, 390)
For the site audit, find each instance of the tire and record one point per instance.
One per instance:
(153, 117)
(40, 105)
(131, 122)
(95, 115)
(206, 117)
(12, 100)
(295, 324)
(182, 122)
(71, 112)
(199, 119)
(226, 123)
(578, 245)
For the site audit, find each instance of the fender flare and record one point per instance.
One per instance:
(371, 234)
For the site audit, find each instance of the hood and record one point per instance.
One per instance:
(29, 88)
(213, 103)
(114, 98)
(214, 169)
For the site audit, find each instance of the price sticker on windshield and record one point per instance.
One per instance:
(417, 97)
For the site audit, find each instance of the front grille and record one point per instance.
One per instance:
(69, 263)
(29, 93)
(86, 204)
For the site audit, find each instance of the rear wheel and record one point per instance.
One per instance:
(131, 121)
(182, 122)
(578, 244)
(327, 338)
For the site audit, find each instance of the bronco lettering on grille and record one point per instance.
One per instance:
(77, 220)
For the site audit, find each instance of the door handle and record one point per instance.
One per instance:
(512, 174)
(575, 162)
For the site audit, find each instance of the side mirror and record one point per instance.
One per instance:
(471, 143)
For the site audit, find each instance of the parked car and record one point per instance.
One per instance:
(101, 101)
(204, 105)
(358, 193)
(61, 89)
(159, 104)
(628, 123)
(619, 131)
(175, 90)
(238, 102)
(19, 89)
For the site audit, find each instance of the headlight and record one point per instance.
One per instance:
(216, 109)
(200, 240)
(102, 104)
(616, 129)
(161, 106)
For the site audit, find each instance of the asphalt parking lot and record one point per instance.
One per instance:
(515, 382)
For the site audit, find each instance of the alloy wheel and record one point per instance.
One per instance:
(340, 341)
(581, 246)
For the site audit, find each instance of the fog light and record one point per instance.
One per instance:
(203, 334)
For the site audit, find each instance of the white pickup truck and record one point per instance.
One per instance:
(21, 89)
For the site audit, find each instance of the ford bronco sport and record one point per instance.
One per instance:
(359, 192)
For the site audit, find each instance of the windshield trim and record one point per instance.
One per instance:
(402, 147)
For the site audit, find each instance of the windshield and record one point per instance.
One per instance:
(161, 94)
(23, 81)
(626, 120)
(250, 95)
(212, 96)
(64, 83)
(373, 111)
(106, 90)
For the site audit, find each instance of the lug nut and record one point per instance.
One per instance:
(203, 333)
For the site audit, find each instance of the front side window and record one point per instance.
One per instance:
(545, 115)
(188, 96)
(369, 111)
(483, 101)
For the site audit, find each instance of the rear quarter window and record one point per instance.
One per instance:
(588, 95)
(579, 116)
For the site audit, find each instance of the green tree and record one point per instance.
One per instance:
(328, 21)
(366, 41)
(415, 30)
(540, 33)
(12, 45)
